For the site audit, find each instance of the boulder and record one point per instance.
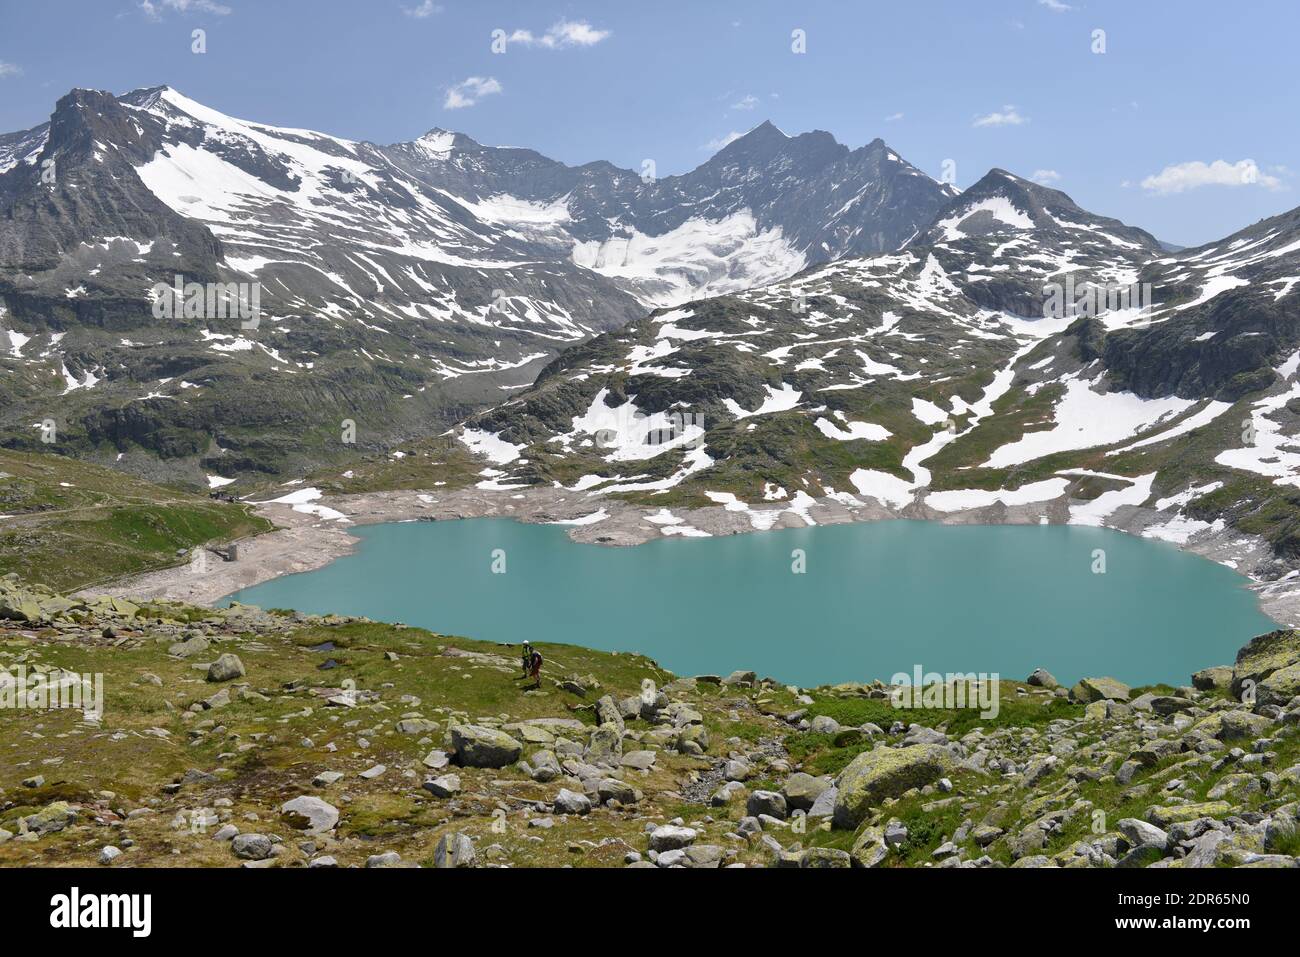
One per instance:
(702, 856)
(571, 802)
(869, 848)
(1098, 689)
(1263, 655)
(770, 803)
(479, 747)
(1141, 834)
(1281, 686)
(612, 789)
(190, 647)
(310, 814)
(801, 790)
(671, 837)
(822, 857)
(1162, 817)
(454, 850)
(1211, 679)
(251, 847)
(225, 668)
(53, 817)
(823, 724)
(1243, 726)
(1042, 678)
(873, 776)
(416, 726)
(444, 787)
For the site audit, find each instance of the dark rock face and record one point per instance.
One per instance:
(1225, 346)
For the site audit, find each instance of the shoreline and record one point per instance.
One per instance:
(308, 536)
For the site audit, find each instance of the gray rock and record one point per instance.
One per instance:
(109, 854)
(770, 803)
(436, 760)
(479, 747)
(670, 837)
(571, 802)
(1042, 678)
(225, 668)
(251, 847)
(1141, 834)
(454, 850)
(310, 814)
(801, 790)
(444, 787)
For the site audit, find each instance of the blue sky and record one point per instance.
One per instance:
(1185, 125)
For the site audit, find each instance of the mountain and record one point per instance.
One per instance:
(398, 287)
(1019, 350)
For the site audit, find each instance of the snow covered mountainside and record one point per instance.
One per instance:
(399, 287)
(1020, 350)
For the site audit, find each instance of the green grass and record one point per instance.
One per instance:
(73, 524)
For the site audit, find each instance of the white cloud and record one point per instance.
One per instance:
(1046, 177)
(565, 33)
(426, 9)
(1007, 116)
(1184, 176)
(469, 91)
(1056, 6)
(714, 145)
(153, 9)
(746, 102)
(10, 69)
(893, 117)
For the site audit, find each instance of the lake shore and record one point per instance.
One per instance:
(309, 535)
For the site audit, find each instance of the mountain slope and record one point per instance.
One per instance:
(941, 378)
(398, 287)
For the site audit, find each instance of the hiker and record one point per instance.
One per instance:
(535, 667)
(526, 658)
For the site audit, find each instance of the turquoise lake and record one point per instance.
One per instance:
(875, 599)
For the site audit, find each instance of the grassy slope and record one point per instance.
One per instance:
(71, 524)
(265, 750)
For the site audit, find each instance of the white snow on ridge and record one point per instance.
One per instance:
(853, 430)
(16, 342)
(957, 500)
(888, 489)
(1096, 511)
(1272, 454)
(592, 519)
(491, 445)
(778, 400)
(698, 258)
(301, 501)
(1001, 209)
(1208, 414)
(1086, 419)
